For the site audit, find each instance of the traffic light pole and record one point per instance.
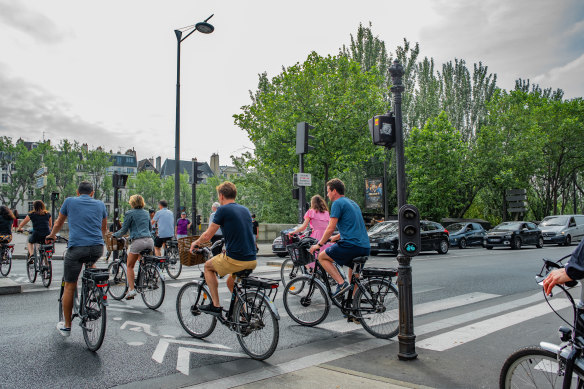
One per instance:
(194, 195)
(301, 192)
(406, 337)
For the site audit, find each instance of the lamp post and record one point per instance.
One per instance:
(204, 28)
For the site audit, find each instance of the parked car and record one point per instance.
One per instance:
(562, 229)
(385, 240)
(514, 235)
(278, 247)
(466, 234)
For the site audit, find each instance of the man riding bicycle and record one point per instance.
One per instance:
(87, 227)
(235, 222)
(574, 270)
(352, 240)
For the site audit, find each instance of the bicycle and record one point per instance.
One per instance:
(6, 251)
(549, 365)
(372, 302)
(172, 264)
(251, 314)
(149, 280)
(41, 263)
(90, 307)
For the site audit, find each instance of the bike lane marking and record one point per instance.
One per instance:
(183, 361)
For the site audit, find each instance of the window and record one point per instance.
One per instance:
(108, 199)
(31, 192)
(30, 206)
(107, 208)
(4, 178)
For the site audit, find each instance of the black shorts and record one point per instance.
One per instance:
(36, 237)
(76, 257)
(159, 241)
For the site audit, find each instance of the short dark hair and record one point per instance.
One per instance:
(336, 184)
(85, 187)
(164, 203)
(253, 215)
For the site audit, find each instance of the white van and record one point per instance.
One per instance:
(562, 229)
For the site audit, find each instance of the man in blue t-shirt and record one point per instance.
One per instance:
(164, 219)
(235, 222)
(87, 227)
(352, 240)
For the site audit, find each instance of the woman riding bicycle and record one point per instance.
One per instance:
(318, 218)
(137, 221)
(41, 225)
(6, 219)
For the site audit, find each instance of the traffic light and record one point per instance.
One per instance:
(198, 173)
(119, 180)
(295, 193)
(302, 137)
(198, 220)
(382, 128)
(409, 230)
(54, 196)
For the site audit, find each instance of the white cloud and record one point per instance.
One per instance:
(568, 77)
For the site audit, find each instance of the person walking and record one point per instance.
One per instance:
(182, 226)
(165, 222)
(137, 221)
(256, 228)
(87, 227)
(318, 219)
(219, 234)
(41, 225)
(15, 221)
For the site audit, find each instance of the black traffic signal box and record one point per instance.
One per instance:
(409, 230)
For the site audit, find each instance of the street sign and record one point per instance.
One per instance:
(41, 172)
(41, 182)
(516, 198)
(511, 192)
(302, 179)
(517, 210)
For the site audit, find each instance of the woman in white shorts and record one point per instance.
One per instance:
(137, 221)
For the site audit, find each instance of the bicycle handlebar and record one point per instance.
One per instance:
(201, 250)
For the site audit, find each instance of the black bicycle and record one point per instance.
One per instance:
(372, 299)
(41, 263)
(172, 264)
(90, 306)
(549, 365)
(6, 251)
(252, 314)
(149, 280)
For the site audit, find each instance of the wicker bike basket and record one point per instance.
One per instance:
(114, 244)
(186, 257)
(299, 252)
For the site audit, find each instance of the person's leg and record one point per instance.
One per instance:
(327, 264)
(230, 283)
(132, 259)
(71, 269)
(212, 282)
(68, 302)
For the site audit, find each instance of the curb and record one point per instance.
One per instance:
(8, 286)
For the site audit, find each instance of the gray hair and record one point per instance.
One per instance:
(215, 205)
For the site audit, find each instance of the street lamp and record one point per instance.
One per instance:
(204, 28)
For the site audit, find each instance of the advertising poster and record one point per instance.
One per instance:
(374, 193)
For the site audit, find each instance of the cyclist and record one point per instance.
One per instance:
(235, 222)
(41, 225)
(165, 221)
(6, 220)
(137, 222)
(352, 240)
(574, 270)
(87, 227)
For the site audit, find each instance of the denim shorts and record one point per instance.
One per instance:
(141, 244)
(344, 253)
(76, 257)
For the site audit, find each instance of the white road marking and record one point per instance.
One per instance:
(135, 343)
(183, 360)
(110, 308)
(138, 327)
(163, 344)
(477, 330)
(117, 318)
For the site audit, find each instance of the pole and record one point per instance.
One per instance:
(53, 207)
(406, 337)
(194, 196)
(301, 192)
(385, 204)
(116, 213)
(575, 202)
(177, 132)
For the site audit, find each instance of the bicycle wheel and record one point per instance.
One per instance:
(46, 273)
(31, 269)
(534, 367)
(196, 323)
(173, 265)
(289, 271)
(378, 308)
(118, 281)
(152, 286)
(5, 264)
(306, 301)
(93, 320)
(258, 331)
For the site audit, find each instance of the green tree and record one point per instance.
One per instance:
(94, 167)
(147, 184)
(63, 163)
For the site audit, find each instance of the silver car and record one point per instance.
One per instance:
(562, 229)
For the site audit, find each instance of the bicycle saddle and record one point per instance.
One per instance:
(360, 260)
(243, 273)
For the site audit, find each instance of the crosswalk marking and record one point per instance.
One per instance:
(474, 331)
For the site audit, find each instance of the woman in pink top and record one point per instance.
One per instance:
(318, 218)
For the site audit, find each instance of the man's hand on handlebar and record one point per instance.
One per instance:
(50, 239)
(558, 276)
(194, 246)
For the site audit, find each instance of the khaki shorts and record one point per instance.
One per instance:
(224, 265)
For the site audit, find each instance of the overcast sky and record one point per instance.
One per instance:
(104, 73)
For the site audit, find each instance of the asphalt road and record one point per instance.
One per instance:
(144, 347)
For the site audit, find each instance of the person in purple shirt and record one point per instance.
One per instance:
(182, 226)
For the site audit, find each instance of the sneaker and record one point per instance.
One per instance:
(131, 294)
(64, 331)
(341, 289)
(30, 260)
(211, 309)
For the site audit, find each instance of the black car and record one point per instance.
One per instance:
(383, 237)
(514, 235)
(278, 246)
(466, 234)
